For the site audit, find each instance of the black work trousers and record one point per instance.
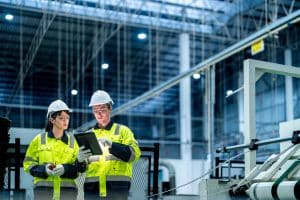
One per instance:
(116, 190)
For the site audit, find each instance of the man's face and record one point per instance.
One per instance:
(102, 114)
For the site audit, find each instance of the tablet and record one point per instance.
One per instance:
(89, 141)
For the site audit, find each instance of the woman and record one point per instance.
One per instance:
(51, 157)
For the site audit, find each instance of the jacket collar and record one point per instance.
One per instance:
(64, 138)
(107, 127)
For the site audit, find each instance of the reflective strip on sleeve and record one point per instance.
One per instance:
(132, 155)
(28, 159)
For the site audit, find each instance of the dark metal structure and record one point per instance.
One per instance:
(4, 140)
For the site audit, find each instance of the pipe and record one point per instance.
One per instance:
(172, 178)
(257, 143)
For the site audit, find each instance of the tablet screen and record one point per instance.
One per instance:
(89, 140)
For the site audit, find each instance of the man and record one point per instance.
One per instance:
(109, 175)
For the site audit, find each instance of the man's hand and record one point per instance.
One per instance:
(83, 155)
(105, 142)
(94, 158)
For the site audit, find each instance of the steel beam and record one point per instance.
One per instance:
(272, 28)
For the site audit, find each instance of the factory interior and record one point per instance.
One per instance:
(210, 89)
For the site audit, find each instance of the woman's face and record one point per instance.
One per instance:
(61, 121)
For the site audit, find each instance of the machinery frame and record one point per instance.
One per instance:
(253, 70)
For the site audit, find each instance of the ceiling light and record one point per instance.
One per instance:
(74, 92)
(105, 66)
(229, 92)
(9, 17)
(142, 36)
(196, 76)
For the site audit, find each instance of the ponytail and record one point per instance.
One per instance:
(48, 126)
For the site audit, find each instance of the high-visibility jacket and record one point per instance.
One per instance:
(44, 149)
(114, 164)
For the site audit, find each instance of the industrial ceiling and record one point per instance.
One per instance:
(50, 48)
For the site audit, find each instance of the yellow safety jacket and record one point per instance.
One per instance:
(44, 149)
(109, 167)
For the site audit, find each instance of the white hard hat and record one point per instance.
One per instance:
(57, 105)
(100, 97)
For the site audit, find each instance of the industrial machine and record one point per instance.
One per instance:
(278, 177)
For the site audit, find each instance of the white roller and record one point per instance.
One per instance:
(260, 191)
(263, 190)
(285, 190)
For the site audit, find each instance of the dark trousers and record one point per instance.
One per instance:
(46, 193)
(116, 190)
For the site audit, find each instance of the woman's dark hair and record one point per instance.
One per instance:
(49, 125)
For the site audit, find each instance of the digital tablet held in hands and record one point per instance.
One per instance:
(89, 141)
